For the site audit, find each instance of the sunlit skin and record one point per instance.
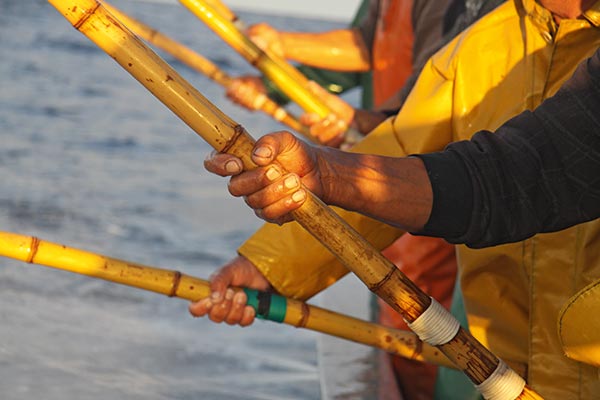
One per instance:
(224, 305)
(396, 190)
(275, 202)
(329, 130)
(337, 50)
(341, 49)
(244, 89)
(565, 9)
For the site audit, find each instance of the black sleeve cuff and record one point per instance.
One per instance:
(452, 195)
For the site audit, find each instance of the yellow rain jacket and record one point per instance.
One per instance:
(508, 62)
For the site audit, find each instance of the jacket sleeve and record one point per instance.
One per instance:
(295, 263)
(539, 172)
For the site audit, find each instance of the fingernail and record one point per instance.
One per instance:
(262, 152)
(216, 297)
(299, 196)
(272, 174)
(240, 298)
(291, 182)
(229, 294)
(232, 166)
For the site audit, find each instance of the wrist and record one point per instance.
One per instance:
(338, 176)
(394, 190)
(327, 174)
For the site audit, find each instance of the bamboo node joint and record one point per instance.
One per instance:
(238, 131)
(304, 317)
(375, 288)
(86, 16)
(175, 285)
(33, 248)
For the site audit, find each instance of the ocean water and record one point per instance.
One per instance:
(90, 159)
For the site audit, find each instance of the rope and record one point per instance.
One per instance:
(503, 384)
(435, 325)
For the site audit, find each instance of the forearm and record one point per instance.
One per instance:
(338, 50)
(394, 190)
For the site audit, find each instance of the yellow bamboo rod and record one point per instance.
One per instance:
(205, 67)
(224, 135)
(289, 80)
(226, 12)
(175, 284)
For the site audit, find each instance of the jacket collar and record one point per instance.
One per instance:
(544, 20)
(593, 14)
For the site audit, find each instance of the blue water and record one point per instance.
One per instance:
(90, 159)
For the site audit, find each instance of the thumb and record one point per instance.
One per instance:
(270, 146)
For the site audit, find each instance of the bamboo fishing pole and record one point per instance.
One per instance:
(289, 80)
(201, 64)
(226, 12)
(175, 284)
(492, 377)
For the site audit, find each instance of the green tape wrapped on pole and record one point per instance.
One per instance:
(267, 305)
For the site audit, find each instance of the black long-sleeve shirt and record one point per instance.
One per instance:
(539, 172)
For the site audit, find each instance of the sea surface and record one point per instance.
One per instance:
(90, 159)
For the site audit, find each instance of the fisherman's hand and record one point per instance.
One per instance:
(329, 130)
(225, 305)
(273, 189)
(247, 91)
(267, 38)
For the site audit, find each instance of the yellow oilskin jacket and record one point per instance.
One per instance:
(508, 62)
